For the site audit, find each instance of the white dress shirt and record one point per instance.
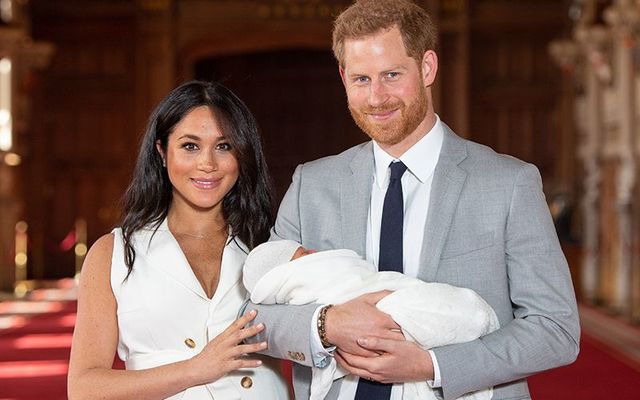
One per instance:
(421, 160)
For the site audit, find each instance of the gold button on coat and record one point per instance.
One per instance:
(190, 343)
(246, 382)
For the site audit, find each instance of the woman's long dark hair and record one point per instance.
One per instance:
(247, 207)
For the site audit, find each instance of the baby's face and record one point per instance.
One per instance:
(301, 252)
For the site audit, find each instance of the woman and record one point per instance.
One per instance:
(165, 288)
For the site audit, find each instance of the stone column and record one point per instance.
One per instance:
(25, 56)
(624, 17)
(566, 54)
(589, 120)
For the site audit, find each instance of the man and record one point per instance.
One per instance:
(419, 199)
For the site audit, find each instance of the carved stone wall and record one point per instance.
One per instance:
(602, 59)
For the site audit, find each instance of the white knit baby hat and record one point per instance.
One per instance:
(264, 258)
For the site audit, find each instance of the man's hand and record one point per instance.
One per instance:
(399, 361)
(347, 322)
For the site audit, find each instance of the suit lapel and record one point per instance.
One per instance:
(448, 181)
(355, 199)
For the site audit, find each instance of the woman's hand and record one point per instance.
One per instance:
(225, 352)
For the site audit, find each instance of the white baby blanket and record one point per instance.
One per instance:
(431, 314)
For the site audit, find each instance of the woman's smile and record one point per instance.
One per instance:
(206, 183)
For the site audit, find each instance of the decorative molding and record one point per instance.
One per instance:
(300, 10)
(565, 53)
(624, 17)
(596, 45)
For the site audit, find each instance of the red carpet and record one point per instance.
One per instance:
(597, 374)
(34, 354)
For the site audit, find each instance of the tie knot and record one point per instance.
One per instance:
(397, 169)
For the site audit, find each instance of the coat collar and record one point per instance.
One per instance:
(448, 181)
(420, 159)
(164, 254)
(355, 197)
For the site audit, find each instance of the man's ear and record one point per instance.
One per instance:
(343, 76)
(429, 67)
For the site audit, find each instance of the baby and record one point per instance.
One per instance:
(430, 314)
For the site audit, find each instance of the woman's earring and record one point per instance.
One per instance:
(164, 163)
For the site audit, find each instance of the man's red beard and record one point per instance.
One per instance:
(399, 127)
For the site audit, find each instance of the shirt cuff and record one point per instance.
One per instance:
(319, 354)
(436, 382)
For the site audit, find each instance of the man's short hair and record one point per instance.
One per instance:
(368, 17)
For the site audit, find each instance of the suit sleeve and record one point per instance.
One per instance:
(287, 327)
(545, 330)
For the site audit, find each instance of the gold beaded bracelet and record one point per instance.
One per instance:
(322, 330)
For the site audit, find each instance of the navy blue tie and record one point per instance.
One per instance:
(390, 259)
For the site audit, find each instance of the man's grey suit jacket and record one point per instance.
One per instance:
(488, 229)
